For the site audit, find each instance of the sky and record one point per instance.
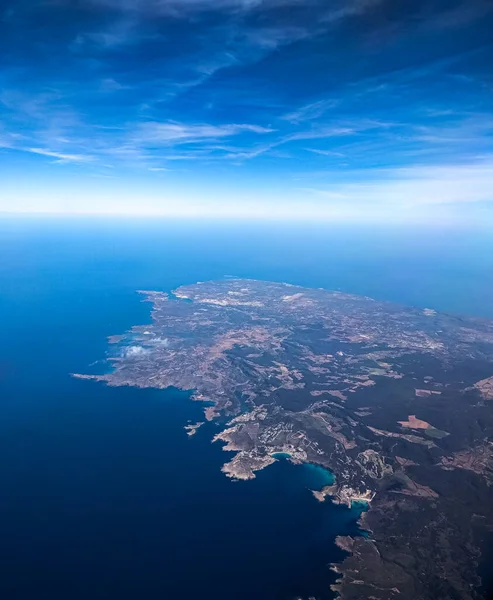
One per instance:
(339, 110)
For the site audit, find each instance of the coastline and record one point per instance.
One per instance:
(232, 353)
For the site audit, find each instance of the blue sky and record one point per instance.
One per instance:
(368, 110)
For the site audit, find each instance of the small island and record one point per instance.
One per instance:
(191, 429)
(394, 401)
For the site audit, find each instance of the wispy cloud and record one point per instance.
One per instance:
(181, 8)
(61, 156)
(326, 152)
(311, 111)
(361, 105)
(415, 187)
(181, 133)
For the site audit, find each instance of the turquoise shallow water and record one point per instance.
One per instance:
(103, 494)
(318, 475)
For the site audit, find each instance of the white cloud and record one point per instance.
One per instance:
(61, 156)
(326, 152)
(181, 133)
(322, 132)
(311, 111)
(111, 85)
(414, 187)
(134, 351)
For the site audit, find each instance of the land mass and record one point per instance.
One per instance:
(395, 401)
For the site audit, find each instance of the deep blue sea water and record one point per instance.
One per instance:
(102, 494)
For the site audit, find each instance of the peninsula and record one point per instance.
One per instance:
(396, 402)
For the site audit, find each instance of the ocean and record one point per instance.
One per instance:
(102, 494)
